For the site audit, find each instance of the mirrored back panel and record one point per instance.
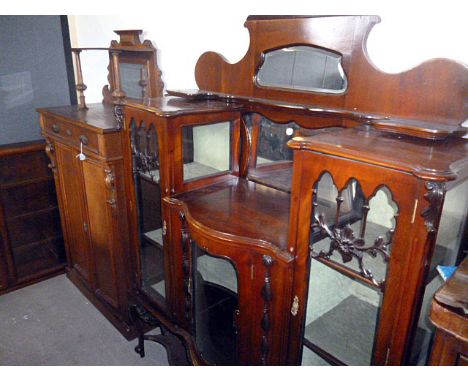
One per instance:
(303, 67)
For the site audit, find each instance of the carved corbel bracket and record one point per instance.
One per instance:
(50, 152)
(435, 196)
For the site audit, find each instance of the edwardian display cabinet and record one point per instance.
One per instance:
(317, 251)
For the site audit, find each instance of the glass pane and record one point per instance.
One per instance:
(341, 316)
(303, 68)
(350, 245)
(352, 232)
(206, 150)
(448, 248)
(273, 162)
(309, 358)
(131, 75)
(215, 307)
(145, 151)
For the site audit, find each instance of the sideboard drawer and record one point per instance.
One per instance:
(72, 134)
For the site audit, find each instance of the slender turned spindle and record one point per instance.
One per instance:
(144, 81)
(365, 211)
(117, 93)
(339, 202)
(80, 86)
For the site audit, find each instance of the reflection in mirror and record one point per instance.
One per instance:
(206, 150)
(132, 76)
(303, 67)
(215, 307)
(271, 163)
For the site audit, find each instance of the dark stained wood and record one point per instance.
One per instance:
(31, 243)
(256, 213)
(439, 161)
(176, 106)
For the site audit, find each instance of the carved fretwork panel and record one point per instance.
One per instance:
(351, 232)
(145, 149)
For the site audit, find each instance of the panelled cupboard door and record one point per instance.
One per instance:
(98, 183)
(73, 198)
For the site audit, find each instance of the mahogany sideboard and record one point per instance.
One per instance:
(320, 251)
(292, 210)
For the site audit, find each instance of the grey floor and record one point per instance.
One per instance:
(52, 323)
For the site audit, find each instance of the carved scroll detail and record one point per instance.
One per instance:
(185, 237)
(50, 152)
(435, 196)
(342, 236)
(267, 296)
(119, 116)
(349, 247)
(145, 156)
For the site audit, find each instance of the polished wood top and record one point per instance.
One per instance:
(442, 160)
(99, 116)
(241, 208)
(174, 106)
(454, 293)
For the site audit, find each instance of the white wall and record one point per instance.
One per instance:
(410, 32)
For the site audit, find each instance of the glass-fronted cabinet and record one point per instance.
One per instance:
(379, 226)
(207, 150)
(146, 173)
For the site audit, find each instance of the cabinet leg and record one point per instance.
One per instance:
(176, 352)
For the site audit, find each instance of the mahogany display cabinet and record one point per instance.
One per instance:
(255, 251)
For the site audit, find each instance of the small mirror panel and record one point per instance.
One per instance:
(303, 68)
(131, 77)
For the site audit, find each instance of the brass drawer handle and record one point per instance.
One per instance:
(55, 128)
(84, 139)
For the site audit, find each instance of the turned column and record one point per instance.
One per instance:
(117, 92)
(80, 86)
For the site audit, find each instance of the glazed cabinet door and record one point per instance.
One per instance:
(361, 248)
(231, 297)
(73, 211)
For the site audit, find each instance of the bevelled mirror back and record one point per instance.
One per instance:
(303, 67)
